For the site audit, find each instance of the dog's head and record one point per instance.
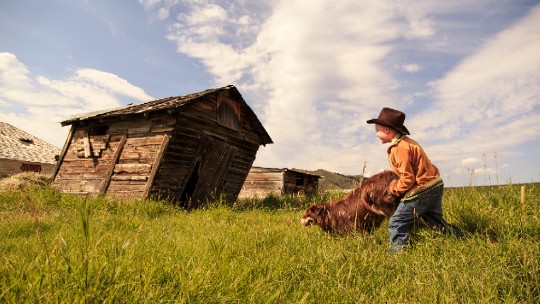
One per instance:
(313, 215)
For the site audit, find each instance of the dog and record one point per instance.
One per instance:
(362, 210)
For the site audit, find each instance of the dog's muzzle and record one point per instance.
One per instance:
(306, 221)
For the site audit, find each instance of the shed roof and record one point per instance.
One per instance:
(277, 170)
(171, 103)
(16, 144)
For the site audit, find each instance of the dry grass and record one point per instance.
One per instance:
(21, 181)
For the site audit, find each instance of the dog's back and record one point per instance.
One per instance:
(359, 211)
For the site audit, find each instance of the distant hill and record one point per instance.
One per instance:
(334, 181)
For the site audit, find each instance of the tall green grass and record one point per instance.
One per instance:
(60, 248)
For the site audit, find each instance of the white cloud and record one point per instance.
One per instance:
(305, 69)
(209, 13)
(37, 104)
(13, 74)
(163, 7)
(319, 71)
(470, 161)
(411, 68)
(149, 4)
(491, 89)
(162, 14)
(421, 27)
(315, 71)
(110, 83)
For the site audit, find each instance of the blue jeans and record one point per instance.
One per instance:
(427, 206)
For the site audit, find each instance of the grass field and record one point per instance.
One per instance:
(59, 248)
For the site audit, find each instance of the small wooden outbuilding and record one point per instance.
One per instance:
(188, 148)
(262, 181)
(21, 151)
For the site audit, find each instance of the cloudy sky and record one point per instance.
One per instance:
(466, 72)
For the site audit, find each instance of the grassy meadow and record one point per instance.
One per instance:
(58, 248)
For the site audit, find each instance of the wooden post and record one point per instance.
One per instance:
(64, 151)
(523, 196)
(87, 147)
(155, 166)
(113, 163)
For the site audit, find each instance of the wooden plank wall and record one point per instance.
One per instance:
(291, 185)
(9, 167)
(133, 169)
(177, 160)
(89, 159)
(194, 121)
(81, 175)
(247, 141)
(289, 182)
(87, 175)
(312, 183)
(260, 183)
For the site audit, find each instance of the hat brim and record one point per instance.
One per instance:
(386, 124)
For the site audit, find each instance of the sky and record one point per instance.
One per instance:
(466, 73)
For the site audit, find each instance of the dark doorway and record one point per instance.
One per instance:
(209, 170)
(189, 189)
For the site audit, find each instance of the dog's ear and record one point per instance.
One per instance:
(366, 195)
(319, 209)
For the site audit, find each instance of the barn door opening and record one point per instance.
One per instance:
(189, 189)
(206, 179)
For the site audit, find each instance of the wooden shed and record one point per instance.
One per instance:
(188, 149)
(21, 151)
(262, 181)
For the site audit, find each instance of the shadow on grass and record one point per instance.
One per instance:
(473, 223)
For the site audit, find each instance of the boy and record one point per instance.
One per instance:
(419, 186)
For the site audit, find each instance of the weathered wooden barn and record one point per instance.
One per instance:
(20, 152)
(262, 181)
(187, 148)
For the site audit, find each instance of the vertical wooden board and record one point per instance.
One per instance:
(64, 151)
(86, 144)
(112, 164)
(228, 112)
(156, 165)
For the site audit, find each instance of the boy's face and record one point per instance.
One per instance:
(385, 134)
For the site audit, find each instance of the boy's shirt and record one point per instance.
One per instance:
(416, 172)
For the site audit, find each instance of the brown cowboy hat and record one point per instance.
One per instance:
(391, 118)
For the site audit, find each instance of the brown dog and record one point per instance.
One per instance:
(363, 210)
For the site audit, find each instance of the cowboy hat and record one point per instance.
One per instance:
(391, 118)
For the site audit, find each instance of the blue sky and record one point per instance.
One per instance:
(467, 73)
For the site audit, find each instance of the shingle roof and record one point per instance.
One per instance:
(18, 145)
(143, 107)
(170, 103)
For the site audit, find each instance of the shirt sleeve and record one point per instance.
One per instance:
(405, 171)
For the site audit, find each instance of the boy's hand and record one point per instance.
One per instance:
(391, 199)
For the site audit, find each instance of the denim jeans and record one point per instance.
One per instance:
(427, 206)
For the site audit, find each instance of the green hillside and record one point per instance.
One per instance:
(334, 181)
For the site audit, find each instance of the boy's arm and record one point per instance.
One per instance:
(405, 170)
